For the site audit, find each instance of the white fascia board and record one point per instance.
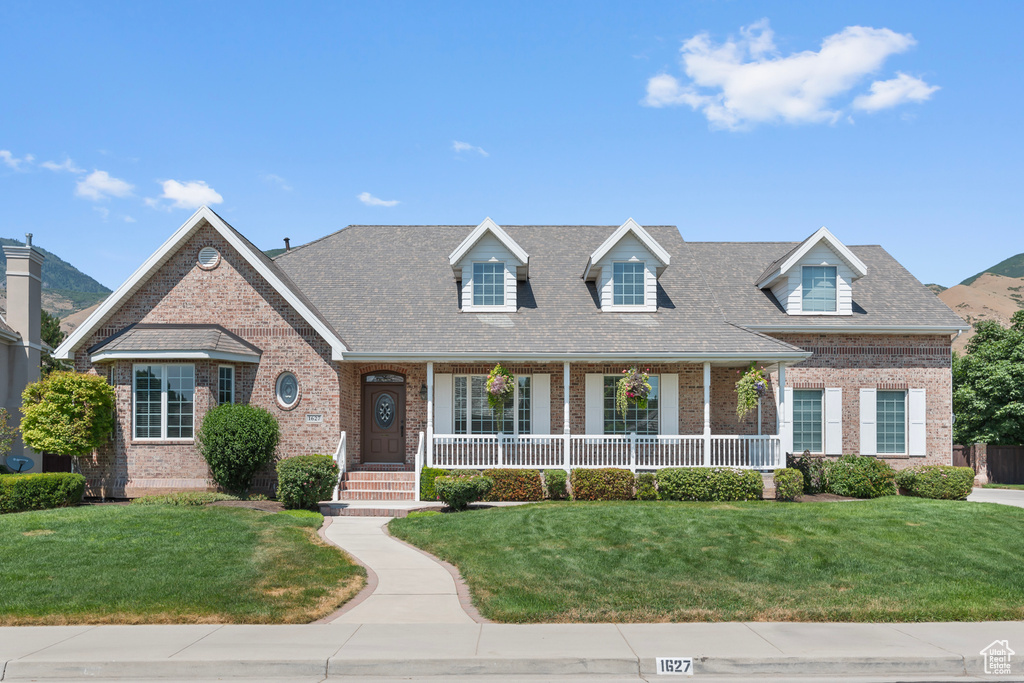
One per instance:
(657, 251)
(823, 234)
(190, 354)
(863, 329)
(647, 357)
(478, 232)
(162, 255)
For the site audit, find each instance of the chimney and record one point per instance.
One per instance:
(287, 244)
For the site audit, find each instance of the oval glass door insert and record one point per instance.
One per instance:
(384, 411)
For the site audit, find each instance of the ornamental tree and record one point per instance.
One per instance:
(67, 413)
(988, 385)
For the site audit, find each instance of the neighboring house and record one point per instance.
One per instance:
(20, 343)
(375, 334)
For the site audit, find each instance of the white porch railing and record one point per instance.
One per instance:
(568, 451)
(421, 452)
(341, 461)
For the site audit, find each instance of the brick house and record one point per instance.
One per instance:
(374, 343)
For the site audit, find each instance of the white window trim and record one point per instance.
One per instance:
(659, 410)
(608, 305)
(232, 369)
(823, 425)
(906, 425)
(469, 405)
(800, 287)
(163, 403)
(506, 307)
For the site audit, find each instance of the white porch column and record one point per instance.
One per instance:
(785, 426)
(707, 413)
(430, 414)
(565, 397)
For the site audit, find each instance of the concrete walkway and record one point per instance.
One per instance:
(408, 586)
(1014, 497)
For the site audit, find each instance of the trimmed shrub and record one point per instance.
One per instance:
(860, 476)
(608, 483)
(458, 492)
(427, 477)
(183, 498)
(789, 483)
(812, 469)
(515, 485)
(305, 480)
(554, 484)
(21, 492)
(645, 486)
(709, 483)
(941, 482)
(237, 441)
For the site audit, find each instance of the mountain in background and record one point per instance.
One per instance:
(1011, 267)
(65, 288)
(995, 293)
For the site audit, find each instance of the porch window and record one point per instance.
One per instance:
(164, 397)
(488, 284)
(640, 421)
(891, 415)
(819, 289)
(225, 384)
(472, 413)
(628, 284)
(807, 420)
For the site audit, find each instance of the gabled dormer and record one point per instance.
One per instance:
(626, 268)
(815, 277)
(489, 264)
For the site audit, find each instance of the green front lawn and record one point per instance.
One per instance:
(160, 564)
(1018, 487)
(889, 559)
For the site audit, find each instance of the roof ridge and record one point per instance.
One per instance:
(303, 246)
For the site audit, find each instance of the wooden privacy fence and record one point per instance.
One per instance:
(1001, 464)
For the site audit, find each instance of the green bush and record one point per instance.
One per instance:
(607, 483)
(183, 498)
(709, 483)
(458, 491)
(515, 485)
(646, 486)
(305, 480)
(21, 492)
(789, 483)
(860, 476)
(237, 441)
(554, 484)
(427, 477)
(936, 481)
(813, 470)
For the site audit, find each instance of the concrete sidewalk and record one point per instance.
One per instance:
(1014, 497)
(725, 651)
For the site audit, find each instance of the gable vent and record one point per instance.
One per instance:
(209, 257)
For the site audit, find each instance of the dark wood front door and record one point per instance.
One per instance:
(383, 422)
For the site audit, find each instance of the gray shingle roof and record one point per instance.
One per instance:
(391, 289)
(146, 337)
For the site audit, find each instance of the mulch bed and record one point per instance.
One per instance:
(822, 498)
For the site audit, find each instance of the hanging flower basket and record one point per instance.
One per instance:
(751, 386)
(501, 386)
(632, 389)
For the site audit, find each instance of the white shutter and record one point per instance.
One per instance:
(668, 404)
(787, 418)
(868, 417)
(541, 400)
(594, 402)
(443, 423)
(834, 421)
(918, 439)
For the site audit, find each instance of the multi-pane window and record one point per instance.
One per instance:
(488, 284)
(638, 420)
(164, 401)
(891, 421)
(819, 288)
(807, 422)
(225, 385)
(472, 412)
(628, 284)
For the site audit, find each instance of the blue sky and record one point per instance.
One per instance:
(732, 120)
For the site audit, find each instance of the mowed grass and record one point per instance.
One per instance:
(890, 559)
(132, 564)
(1016, 487)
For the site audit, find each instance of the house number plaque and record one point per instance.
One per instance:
(314, 419)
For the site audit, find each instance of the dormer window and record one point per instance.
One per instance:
(819, 289)
(628, 284)
(625, 270)
(488, 284)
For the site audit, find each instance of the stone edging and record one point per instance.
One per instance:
(371, 578)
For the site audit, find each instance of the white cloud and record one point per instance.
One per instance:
(745, 81)
(274, 179)
(12, 161)
(100, 185)
(129, 219)
(891, 93)
(370, 200)
(466, 147)
(67, 165)
(103, 211)
(188, 195)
